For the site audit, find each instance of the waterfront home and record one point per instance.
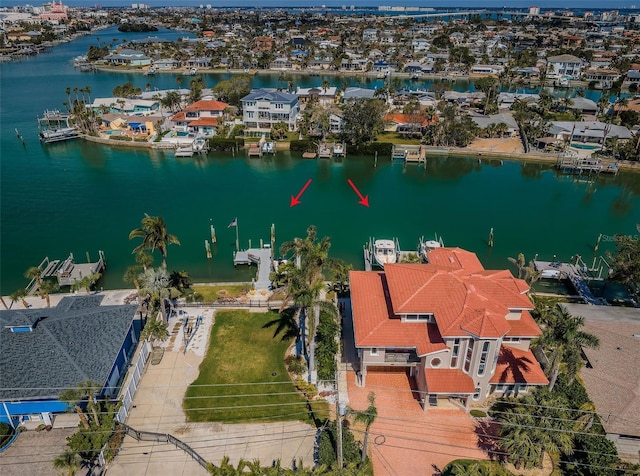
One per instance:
(464, 98)
(611, 374)
(325, 96)
(128, 57)
(583, 105)
(281, 64)
(563, 65)
(354, 64)
(459, 332)
(125, 105)
(262, 108)
(506, 100)
(336, 122)
(407, 124)
(486, 69)
(494, 119)
(587, 131)
(48, 350)
(358, 93)
(203, 117)
(165, 64)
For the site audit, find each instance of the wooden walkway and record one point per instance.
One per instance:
(554, 269)
(260, 256)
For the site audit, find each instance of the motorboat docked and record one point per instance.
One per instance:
(338, 149)
(385, 251)
(425, 246)
(269, 147)
(54, 127)
(57, 135)
(151, 71)
(200, 145)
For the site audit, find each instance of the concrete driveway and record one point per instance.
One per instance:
(157, 407)
(33, 452)
(404, 439)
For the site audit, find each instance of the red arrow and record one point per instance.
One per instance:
(363, 200)
(295, 200)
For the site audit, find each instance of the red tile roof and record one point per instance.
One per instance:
(207, 105)
(448, 381)
(375, 324)
(204, 121)
(179, 117)
(523, 327)
(518, 366)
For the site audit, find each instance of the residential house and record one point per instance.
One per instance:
(262, 44)
(370, 35)
(165, 64)
(48, 350)
(262, 108)
(336, 122)
(587, 131)
(583, 105)
(139, 107)
(281, 64)
(353, 64)
(503, 118)
(506, 100)
(128, 57)
(420, 45)
(611, 374)
(203, 118)
(562, 65)
(357, 93)
(486, 69)
(407, 124)
(325, 96)
(457, 331)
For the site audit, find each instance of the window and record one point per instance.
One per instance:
(467, 359)
(455, 352)
(476, 395)
(279, 106)
(511, 339)
(483, 358)
(436, 362)
(373, 351)
(416, 317)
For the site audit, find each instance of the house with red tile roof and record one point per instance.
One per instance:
(458, 330)
(202, 117)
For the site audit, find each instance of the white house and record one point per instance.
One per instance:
(128, 57)
(262, 108)
(561, 65)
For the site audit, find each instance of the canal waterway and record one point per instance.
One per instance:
(83, 197)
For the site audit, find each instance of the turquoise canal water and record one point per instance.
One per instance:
(81, 197)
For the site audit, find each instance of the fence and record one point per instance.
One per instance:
(164, 438)
(129, 390)
(235, 304)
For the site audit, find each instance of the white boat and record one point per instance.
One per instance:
(425, 246)
(199, 145)
(338, 150)
(269, 148)
(151, 71)
(184, 151)
(385, 252)
(57, 135)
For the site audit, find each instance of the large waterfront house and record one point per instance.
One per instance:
(587, 131)
(48, 350)
(128, 57)
(457, 330)
(127, 106)
(203, 117)
(263, 108)
(325, 96)
(563, 65)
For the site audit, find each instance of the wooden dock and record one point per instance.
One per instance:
(573, 164)
(557, 270)
(263, 257)
(409, 153)
(324, 151)
(67, 272)
(309, 155)
(254, 150)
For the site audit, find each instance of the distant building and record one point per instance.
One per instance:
(534, 10)
(128, 57)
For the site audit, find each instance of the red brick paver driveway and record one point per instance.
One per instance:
(404, 439)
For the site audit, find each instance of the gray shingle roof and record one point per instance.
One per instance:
(75, 341)
(270, 95)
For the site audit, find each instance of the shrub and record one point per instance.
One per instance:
(295, 364)
(382, 148)
(303, 146)
(478, 413)
(6, 432)
(327, 347)
(123, 138)
(351, 450)
(308, 389)
(222, 144)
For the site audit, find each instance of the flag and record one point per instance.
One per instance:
(233, 223)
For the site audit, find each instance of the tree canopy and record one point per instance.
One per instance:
(233, 90)
(625, 264)
(363, 120)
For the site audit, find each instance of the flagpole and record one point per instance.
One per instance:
(237, 241)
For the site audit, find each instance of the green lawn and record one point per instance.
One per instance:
(242, 351)
(395, 138)
(211, 293)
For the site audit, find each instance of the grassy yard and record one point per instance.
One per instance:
(395, 138)
(211, 293)
(242, 350)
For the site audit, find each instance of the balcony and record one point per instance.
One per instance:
(401, 357)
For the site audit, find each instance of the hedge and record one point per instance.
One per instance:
(382, 148)
(305, 145)
(222, 145)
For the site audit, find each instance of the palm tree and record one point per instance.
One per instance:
(48, 287)
(69, 460)
(74, 396)
(131, 275)
(19, 294)
(154, 236)
(34, 273)
(520, 263)
(154, 330)
(156, 283)
(180, 280)
(367, 417)
(563, 339)
(144, 259)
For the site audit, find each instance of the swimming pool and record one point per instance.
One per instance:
(580, 145)
(112, 133)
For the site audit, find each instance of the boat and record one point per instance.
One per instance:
(54, 127)
(338, 150)
(416, 75)
(184, 151)
(151, 71)
(269, 147)
(425, 246)
(200, 145)
(386, 252)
